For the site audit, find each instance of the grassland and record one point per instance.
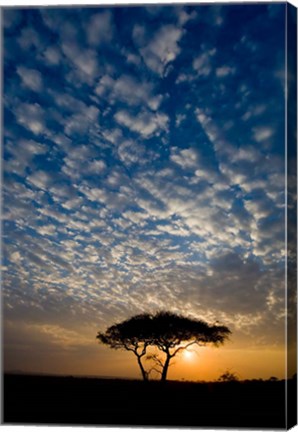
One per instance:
(91, 401)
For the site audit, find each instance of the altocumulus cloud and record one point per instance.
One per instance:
(143, 166)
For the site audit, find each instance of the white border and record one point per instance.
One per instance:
(125, 2)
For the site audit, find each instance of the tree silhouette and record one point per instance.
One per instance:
(170, 333)
(132, 335)
(228, 376)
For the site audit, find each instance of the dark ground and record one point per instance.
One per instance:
(88, 401)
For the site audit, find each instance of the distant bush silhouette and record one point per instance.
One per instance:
(273, 378)
(228, 377)
(170, 333)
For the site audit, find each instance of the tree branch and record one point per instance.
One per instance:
(156, 359)
(154, 369)
(183, 348)
(130, 349)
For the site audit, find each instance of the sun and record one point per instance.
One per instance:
(188, 355)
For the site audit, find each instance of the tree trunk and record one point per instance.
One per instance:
(165, 368)
(144, 373)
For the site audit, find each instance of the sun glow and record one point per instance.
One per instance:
(188, 355)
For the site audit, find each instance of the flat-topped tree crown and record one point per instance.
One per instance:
(169, 332)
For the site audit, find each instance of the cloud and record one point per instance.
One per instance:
(29, 38)
(262, 133)
(161, 49)
(186, 158)
(224, 71)
(145, 123)
(23, 152)
(41, 179)
(15, 257)
(31, 117)
(31, 78)
(53, 19)
(96, 166)
(113, 200)
(52, 55)
(99, 29)
(131, 153)
(85, 62)
(81, 122)
(183, 16)
(136, 217)
(83, 66)
(83, 160)
(124, 192)
(128, 89)
(202, 63)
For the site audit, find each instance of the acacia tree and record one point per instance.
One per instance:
(170, 333)
(132, 335)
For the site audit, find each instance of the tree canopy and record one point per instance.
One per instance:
(170, 333)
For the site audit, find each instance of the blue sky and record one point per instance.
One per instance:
(143, 168)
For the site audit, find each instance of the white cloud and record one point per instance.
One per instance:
(136, 217)
(82, 160)
(183, 16)
(131, 58)
(254, 111)
(161, 49)
(62, 192)
(224, 71)
(172, 229)
(81, 122)
(128, 89)
(144, 123)
(96, 166)
(116, 178)
(40, 179)
(48, 230)
(259, 207)
(179, 119)
(31, 116)
(52, 55)
(31, 78)
(99, 29)
(186, 158)
(29, 38)
(23, 152)
(131, 152)
(52, 18)
(113, 200)
(249, 169)
(68, 102)
(202, 63)
(248, 153)
(185, 78)
(15, 257)
(54, 214)
(262, 133)
(85, 61)
(208, 126)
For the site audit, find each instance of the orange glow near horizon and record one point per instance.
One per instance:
(203, 364)
(209, 363)
(64, 353)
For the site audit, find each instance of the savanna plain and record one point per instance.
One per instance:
(32, 399)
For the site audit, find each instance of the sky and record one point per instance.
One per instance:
(143, 170)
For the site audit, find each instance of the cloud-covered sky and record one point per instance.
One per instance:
(143, 169)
